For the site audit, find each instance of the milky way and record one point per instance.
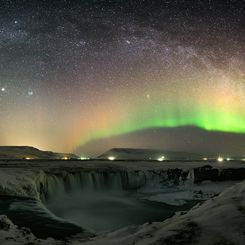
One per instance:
(76, 71)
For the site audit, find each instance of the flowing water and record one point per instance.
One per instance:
(100, 202)
(76, 202)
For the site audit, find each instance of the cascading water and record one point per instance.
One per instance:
(105, 198)
(101, 201)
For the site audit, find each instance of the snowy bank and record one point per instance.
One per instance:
(217, 221)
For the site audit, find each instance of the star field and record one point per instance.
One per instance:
(75, 71)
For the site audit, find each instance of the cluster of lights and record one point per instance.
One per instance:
(160, 159)
(219, 159)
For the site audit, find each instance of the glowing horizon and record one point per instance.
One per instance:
(213, 117)
(101, 70)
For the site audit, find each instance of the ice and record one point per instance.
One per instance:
(218, 220)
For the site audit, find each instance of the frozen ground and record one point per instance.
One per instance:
(219, 220)
(158, 181)
(172, 183)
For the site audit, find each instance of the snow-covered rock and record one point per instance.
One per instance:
(217, 221)
(20, 182)
(12, 235)
(165, 183)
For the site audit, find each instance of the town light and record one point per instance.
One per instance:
(220, 159)
(160, 159)
(111, 158)
(84, 158)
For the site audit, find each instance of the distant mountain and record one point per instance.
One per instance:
(27, 152)
(180, 139)
(148, 154)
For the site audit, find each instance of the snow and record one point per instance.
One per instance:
(161, 182)
(181, 194)
(219, 220)
(28, 179)
(12, 235)
(19, 182)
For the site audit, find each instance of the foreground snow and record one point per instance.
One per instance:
(182, 194)
(217, 221)
(12, 235)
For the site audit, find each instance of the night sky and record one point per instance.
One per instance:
(76, 71)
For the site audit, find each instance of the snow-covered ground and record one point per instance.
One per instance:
(10, 234)
(219, 220)
(180, 195)
(155, 181)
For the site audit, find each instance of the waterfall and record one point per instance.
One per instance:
(107, 198)
(40, 184)
(104, 200)
(65, 181)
